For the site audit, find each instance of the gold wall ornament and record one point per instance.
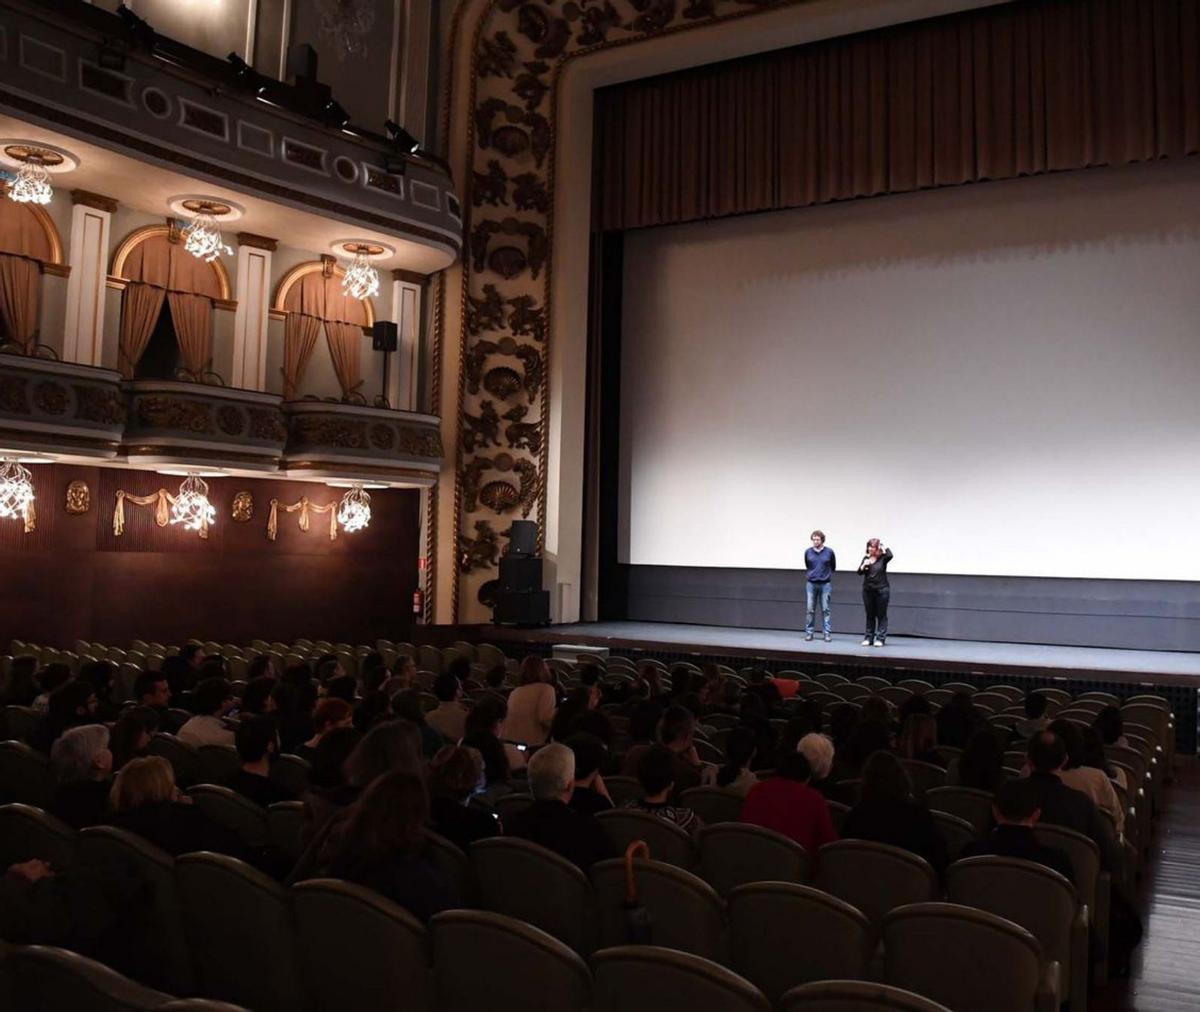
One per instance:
(243, 507)
(162, 501)
(306, 508)
(79, 498)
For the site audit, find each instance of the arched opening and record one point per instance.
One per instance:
(28, 242)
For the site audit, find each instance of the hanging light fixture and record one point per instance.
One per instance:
(354, 512)
(360, 279)
(202, 236)
(33, 164)
(191, 507)
(16, 490)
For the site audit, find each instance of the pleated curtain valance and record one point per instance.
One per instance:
(1013, 90)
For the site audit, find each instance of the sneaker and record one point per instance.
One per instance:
(828, 638)
(879, 643)
(808, 637)
(866, 642)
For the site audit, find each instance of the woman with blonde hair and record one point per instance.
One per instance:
(532, 704)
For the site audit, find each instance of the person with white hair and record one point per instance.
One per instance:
(550, 821)
(818, 750)
(82, 764)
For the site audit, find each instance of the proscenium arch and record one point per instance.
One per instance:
(140, 235)
(293, 276)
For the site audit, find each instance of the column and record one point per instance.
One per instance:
(403, 389)
(83, 325)
(253, 294)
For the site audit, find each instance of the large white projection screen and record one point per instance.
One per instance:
(999, 379)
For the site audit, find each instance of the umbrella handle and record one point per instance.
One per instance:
(638, 848)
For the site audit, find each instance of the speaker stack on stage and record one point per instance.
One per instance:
(520, 599)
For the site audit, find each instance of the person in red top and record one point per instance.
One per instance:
(788, 805)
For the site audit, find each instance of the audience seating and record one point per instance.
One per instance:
(784, 934)
(291, 773)
(228, 808)
(285, 823)
(934, 949)
(341, 928)
(25, 775)
(452, 863)
(874, 877)
(623, 789)
(1037, 898)
(27, 832)
(217, 764)
(713, 804)
(519, 879)
(55, 980)
(1092, 886)
(684, 912)
(924, 776)
(854, 996)
(971, 805)
(667, 841)
(487, 961)
(734, 853)
(183, 758)
(239, 927)
(647, 978)
(21, 722)
(956, 833)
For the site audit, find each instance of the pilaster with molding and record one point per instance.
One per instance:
(253, 294)
(83, 324)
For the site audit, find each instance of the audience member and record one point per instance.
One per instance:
(1093, 756)
(764, 688)
(1111, 727)
(455, 774)
(550, 821)
(591, 795)
(71, 704)
(178, 674)
(787, 804)
(381, 846)
(1015, 809)
(1035, 716)
(981, 764)
(818, 750)
(20, 684)
(450, 715)
(531, 705)
(329, 667)
(52, 677)
(918, 739)
(99, 675)
(403, 676)
(409, 706)
(656, 774)
(867, 738)
(327, 714)
(295, 697)
(257, 741)
(1086, 779)
(1062, 805)
(740, 747)
(144, 800)
(876, 709)
(374, 708)
(257, 699)
(579, 712)
(495, 677)
(131, 734)
(887, 813)
(328, 791)
(341, 687)
(262, 666)
(958, 720)
(81, 763)
(676, 732)
(152, 689)
(211, 700)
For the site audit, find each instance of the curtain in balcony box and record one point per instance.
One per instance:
(345, 348)
(192, 316)
(19, 281)
(300, 334)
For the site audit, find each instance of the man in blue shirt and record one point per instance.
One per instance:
(821, 564)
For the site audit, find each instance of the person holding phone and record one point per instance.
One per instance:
(876, 591)
(821, 564)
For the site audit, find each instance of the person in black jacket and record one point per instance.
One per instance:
(876, 591)
(888, 814)
(1015, 809)
(455, 773)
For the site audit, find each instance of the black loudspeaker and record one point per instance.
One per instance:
(520, 574)
(529, 608)
(522, 538)
(384, 336)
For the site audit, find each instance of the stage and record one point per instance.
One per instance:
(1173, 674)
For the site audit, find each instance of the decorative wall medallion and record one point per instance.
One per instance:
(13, 399)
(98, 404)
(50, 397)
(243, 507)
(230, 420)
(502, 382)
(383, 436)
(163, 412)
(481, 430)
(79, 498)
(500, 496)
(267, 424)
(522, 435)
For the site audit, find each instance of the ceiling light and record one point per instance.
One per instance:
(191, 507)
(202, 237)
(360, 280)
(16, 490)
(354, 513)
(31, 184)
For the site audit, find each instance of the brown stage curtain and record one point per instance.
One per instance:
(19, 281)
(299, 339)
(1023, 88)
(192, 317)
(345, 348)
(140, 306)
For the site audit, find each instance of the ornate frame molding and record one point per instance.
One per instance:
(278, 310)
(140, 235)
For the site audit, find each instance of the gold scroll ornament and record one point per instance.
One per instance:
(306, 508)
(162, 501)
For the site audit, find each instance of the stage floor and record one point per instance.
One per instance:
(787, 644)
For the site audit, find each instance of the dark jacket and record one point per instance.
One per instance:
(1064, 806)
(177, 828)
(461, 824)
(898, 823)
(81, 804)
(261, 790)
(578, 837)
(589, 802)
(411, 882)
(1019, 842)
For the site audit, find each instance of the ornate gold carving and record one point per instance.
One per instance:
(102, 405)
(243, 507)
(522, 435)
(162, 411)
(482, 430)
(13, 396)
(481, 551)
(383, 436)
(79, 498)
(267, 424)
(230, 420)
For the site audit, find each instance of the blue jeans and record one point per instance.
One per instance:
(824, 591)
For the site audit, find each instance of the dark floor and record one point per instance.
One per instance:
(1166, 970)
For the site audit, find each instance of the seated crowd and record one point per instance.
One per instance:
(388, 766)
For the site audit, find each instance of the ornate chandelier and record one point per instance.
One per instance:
(33, 164)
(16, 490)
(32, 185)
(354, 512)
(361, 280)
(191, 507)
(202, 237)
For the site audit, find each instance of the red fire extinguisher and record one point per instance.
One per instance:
(418, 602)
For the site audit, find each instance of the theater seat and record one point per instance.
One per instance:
(854, 996)
(231, 810)
(667, 842)
(25, 775)
(483, 960)
(27, 832)
(649, 978)
(874, 877)
(46, 979)
(343, 928)
(734, 853)
(713, 804)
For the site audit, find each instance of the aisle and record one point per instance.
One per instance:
(1166, 971)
